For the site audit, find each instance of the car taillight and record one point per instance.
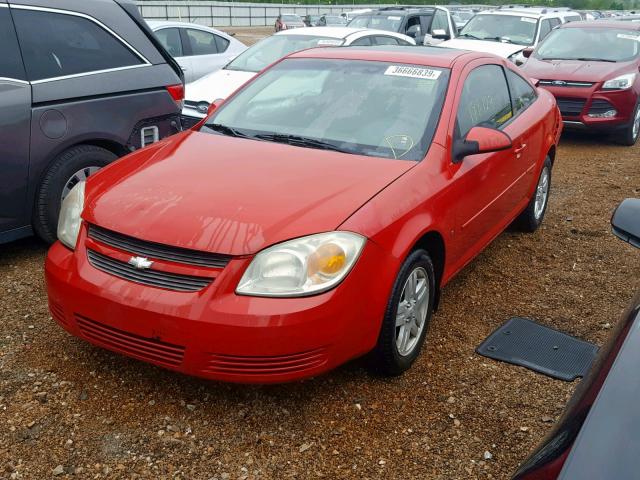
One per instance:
(177, 93)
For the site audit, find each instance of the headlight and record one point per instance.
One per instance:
(620, 83)
(304, 266)
(69, 220)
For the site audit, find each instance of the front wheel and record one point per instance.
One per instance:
(531, 218)
(629, 136)
(407, 316)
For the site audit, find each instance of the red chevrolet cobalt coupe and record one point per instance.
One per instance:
(592, 69)
(281, 238)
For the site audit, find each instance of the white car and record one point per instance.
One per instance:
(198, 49)
(219, 85)
(508, 31)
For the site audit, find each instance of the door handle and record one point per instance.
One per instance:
(520, 148)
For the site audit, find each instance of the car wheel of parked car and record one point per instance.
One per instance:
(629, 136)
(407, 316)
(69, 168)
(531, 218)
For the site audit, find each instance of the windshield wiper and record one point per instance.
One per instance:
(298, 141)
(498, 39)
(583, 59)
(225, 130)
(470, 36)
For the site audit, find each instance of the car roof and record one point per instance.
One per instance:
(604, 24)
(332, 32)
(429, 56)
(154, 24)
(513, 13)
(399, 11)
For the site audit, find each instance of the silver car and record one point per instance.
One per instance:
(198, 49)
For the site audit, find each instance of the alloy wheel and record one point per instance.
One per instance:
(542, 194)
(412, 311)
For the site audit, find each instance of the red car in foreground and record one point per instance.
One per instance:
(282, 238)
(593, 70)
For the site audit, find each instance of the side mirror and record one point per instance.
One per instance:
(214, 106)
(625, 222)
(440, 34)
(480, 140)
(526, 53)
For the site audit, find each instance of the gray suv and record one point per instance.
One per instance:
(82, 82)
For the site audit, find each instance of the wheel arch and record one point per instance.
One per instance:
(433, 242)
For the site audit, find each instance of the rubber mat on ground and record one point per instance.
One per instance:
(526, 343)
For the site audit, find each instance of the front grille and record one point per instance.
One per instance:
(130, 344)
(271, 365)
(189, 122)
(157, 251)
(600, 106)
(153, 278)
(562, 83)
(570, 107)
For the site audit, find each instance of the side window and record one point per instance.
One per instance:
(55, 45)
(440, 22)
(545, 28)
(413, 25)
(521, 92)
(202, 43)
(170, 39)
(574, 18)
(222, 43)
(384, 40)
(362, 42)
(11, 63)
(485, 100)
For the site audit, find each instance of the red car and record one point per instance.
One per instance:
(592, 69)
(281, 238)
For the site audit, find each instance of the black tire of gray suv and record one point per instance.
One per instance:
(65, 165)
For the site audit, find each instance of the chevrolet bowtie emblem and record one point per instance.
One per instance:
(140, 263)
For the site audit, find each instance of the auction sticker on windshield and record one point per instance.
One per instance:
(330, 41)
(412, 72)
(528, 20)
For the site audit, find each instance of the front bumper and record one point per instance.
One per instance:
(577, 103)
(214, 333)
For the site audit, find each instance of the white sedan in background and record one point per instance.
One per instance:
(219, 85)
(198, 49)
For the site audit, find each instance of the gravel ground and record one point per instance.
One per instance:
(69, 410)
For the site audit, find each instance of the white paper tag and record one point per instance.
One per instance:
(394, 18)
(628, 37)
(330, 41)
(528, 20)
(412, 72)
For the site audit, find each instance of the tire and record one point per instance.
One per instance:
(629, 135)
(531, 218)
(387, 358)
(82, 160)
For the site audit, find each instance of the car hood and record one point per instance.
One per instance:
(217, 85)
(497, 48)
(575, 70)
(230, 195)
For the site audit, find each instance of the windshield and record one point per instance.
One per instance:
(506, 28)
(386, 110)
(273, 48)
(291, 18)
(335, 20)
(612, 45)
(390, 23)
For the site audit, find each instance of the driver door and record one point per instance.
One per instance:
(482, 181)
(15, 120)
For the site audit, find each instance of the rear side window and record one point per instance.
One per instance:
(56, 45)
(202, 43)
(10, 59)
(222, 43)
(485, 100)
(170, 39)
(362, 42)
(521, 92)
(383, 40)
